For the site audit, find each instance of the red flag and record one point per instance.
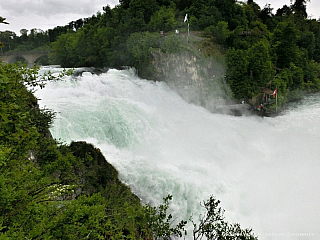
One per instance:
(275, 93)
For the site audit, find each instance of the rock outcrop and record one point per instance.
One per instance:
(196, 78)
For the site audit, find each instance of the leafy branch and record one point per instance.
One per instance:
(213, 226)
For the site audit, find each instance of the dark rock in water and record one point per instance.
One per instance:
(265, 112)
(239, 109)
(246, 110)
(234, 109)
(97, 71)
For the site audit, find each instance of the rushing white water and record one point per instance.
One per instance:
(265, 171)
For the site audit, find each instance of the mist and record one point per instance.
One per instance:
(264, 170)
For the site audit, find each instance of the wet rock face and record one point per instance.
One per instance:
(197, 79)
(92, 70)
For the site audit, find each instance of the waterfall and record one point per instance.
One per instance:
(265, 171)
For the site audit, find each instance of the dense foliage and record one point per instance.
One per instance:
(28, 40)
(263, 49)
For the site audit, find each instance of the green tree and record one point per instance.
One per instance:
(237, 74)
(143, 9)
(22, 184)
(284, 44)
(24, 35)
(203, 14)
(104, 51)
(252, 11)
(221, 32)
(294, 78)
(61, 55)
(260, 66)
(232, 12)
(124, 3)
(171, 44)
(307, 42)
(248, 70)
(139, 47)
(299, 7)
(163, 20)
(6, 38)
(311, 80)
(156, 222)
(267, 17)
(213, 226)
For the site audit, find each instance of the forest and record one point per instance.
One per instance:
(49, 190)
(260, 48)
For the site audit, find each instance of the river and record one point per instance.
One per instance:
(265, 171)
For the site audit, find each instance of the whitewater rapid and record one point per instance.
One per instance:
(265, 171)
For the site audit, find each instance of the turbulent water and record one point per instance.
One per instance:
(265, 171)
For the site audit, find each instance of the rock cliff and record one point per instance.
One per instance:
(196, 78)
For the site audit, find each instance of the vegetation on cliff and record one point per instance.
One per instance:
(49, 190)
(263, 49)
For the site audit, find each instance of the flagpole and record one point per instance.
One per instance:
(277, 99)
(186, 20)
(188, 33)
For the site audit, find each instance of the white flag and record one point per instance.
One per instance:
(186, 18)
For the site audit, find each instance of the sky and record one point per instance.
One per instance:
(47, 14)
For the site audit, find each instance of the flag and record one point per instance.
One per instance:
(275, 93)
(186, 18)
